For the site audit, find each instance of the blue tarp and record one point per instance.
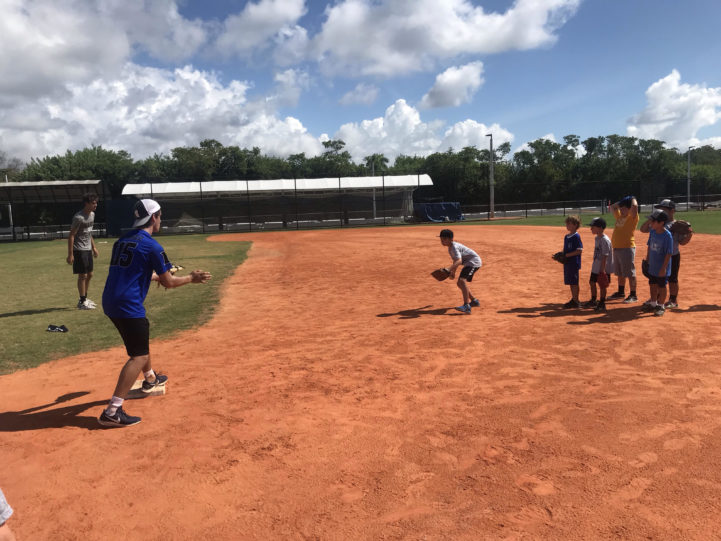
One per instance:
(438, 212)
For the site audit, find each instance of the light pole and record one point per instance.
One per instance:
(492, 202)
(688, 181)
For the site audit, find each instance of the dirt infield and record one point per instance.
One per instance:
(337, 395)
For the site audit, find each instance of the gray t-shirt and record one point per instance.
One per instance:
(468, 257)
(83, 227)
(601, 248)
(676, 238)
(5, 509)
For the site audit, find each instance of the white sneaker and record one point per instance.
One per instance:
(85, 306)
(90, 303)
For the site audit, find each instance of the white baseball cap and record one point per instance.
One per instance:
(143, 210)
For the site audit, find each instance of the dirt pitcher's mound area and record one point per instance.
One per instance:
(338, 395)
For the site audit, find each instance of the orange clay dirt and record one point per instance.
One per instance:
(337, 395)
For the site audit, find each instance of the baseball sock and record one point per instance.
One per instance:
(113, 406)
(633, 292)
(621, 289)
(672, 298)
(82, 298)
(149, 375)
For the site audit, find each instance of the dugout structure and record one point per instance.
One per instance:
(253, 205)
(44, 209)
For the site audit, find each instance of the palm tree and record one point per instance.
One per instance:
(376, 162)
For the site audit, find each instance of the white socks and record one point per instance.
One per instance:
(113, 406)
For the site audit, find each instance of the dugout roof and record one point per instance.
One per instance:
(240, 187)
(48, 191)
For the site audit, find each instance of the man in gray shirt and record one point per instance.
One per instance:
(81, 248)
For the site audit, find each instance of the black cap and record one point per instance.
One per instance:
(598, 222)
(447, 233)
(658, 216)
(665, 204)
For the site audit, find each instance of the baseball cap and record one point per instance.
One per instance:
(598, 222)
(143, 210)
(658, 216)
(665, 204)
(446, 233)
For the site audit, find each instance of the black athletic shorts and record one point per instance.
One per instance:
(82, 261)
(468, 273)
(675, 265)
(135, 333)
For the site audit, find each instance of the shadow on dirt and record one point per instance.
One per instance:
(413, 313)
(34, 419)
(615, 313)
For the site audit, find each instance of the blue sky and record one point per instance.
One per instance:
(393, 76)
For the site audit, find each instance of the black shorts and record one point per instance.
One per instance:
(660, 281)
(468, 273)
(135, 333)
(82, 261)
(675, 265)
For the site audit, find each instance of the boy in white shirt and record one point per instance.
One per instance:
(471, 262)
(602, 265)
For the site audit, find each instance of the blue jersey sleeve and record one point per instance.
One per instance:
(159, 261)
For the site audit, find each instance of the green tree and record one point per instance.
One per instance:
(376, 163)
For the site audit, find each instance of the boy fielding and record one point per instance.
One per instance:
(137, 259)
(471, 262)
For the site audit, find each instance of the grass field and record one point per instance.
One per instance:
(39, 289)
(702, 222)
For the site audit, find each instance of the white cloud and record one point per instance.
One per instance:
(401, 131)
(147, 110)
(676, 111)
(291, 44)
(363, 93)
(454, 87)
(157, 27)
(470, 133)
(290, 85)
(45, 44)
(259, 24)
(405, 36)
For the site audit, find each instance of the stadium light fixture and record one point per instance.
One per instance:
(492, 202)
(688, 180)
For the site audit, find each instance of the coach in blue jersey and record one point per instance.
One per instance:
(137, 259)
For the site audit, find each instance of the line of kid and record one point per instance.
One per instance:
(600, 268)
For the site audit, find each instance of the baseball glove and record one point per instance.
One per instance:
(644, 268)
(559, 256)
(441, 274)
(681, 228)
